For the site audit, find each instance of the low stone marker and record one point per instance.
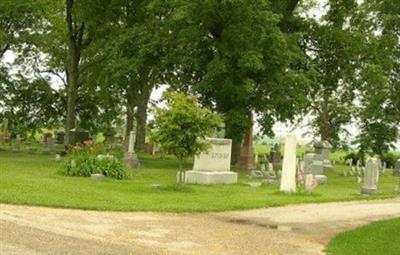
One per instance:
(310, 183)
(371, 176)
(214, 166)
(97, 177)
(288, 179)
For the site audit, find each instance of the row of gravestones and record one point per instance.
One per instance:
(213, 167)
(77, 135)
(359, 170)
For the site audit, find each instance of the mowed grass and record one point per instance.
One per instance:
(378, 238)
(38, 180)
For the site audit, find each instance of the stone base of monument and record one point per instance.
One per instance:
(327, 165)
(368, 191)
(132, 160)
(204, 177)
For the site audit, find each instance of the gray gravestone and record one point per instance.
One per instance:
(371, 176)
(275, 156)
(313, 164)
(322, 149)
(16, 147)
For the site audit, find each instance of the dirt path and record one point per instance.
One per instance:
(298, 229)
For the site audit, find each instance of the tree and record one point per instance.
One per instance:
(241, 57)
(334, 47)
(136, 56)
(182, 126)
(29, 105)
(379, 108)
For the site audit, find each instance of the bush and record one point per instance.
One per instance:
(83, 162)
(354, 157)
(111, 167)
(390, 159)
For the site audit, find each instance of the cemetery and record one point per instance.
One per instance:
(199, 127)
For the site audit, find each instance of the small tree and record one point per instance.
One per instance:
(182, 126)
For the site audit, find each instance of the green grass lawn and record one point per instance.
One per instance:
(378, 238)
(38, 180)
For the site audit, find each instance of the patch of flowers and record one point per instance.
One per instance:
(85, 160)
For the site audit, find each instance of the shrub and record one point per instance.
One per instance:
(111, 167)
(83, 162)
(390, 159)
(354, 157)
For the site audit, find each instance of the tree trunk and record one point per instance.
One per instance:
(130, 114)
(237, 137)
(74, 54)
(141, 118)
(324, 121)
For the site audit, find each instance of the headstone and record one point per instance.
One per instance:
(254, 184)
(321, 179)
(79, 135)
(131, 157)
(270, 167)
(246, 159)
(275, 155)
(396, 170)
(60, 137)
(371, 176)
(313, 164)
(213, 166)
(322, 149)
(310, 183)
(5, 131)
(49, 145)
(288, 179)
(46, 136)
(97, 177)
(16, 147)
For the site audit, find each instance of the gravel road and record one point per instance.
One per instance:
(296, 229)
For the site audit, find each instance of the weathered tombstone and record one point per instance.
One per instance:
(49, 145)
(321, 179)
(396, 170)
(16, 146)
(60, 137)
(246, 158)
(214, 166)
(46, 136)
(275, 155)
(5, 131)
(97, 177)
(288, 179)
(313, 164)
(310, 183)
(131, 157)
(371, 176)
(79, 135)
(322, 149)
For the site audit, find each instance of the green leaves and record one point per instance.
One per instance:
(182, 126)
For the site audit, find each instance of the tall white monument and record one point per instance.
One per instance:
(288, 179)
(131, 157)
(213, 166)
